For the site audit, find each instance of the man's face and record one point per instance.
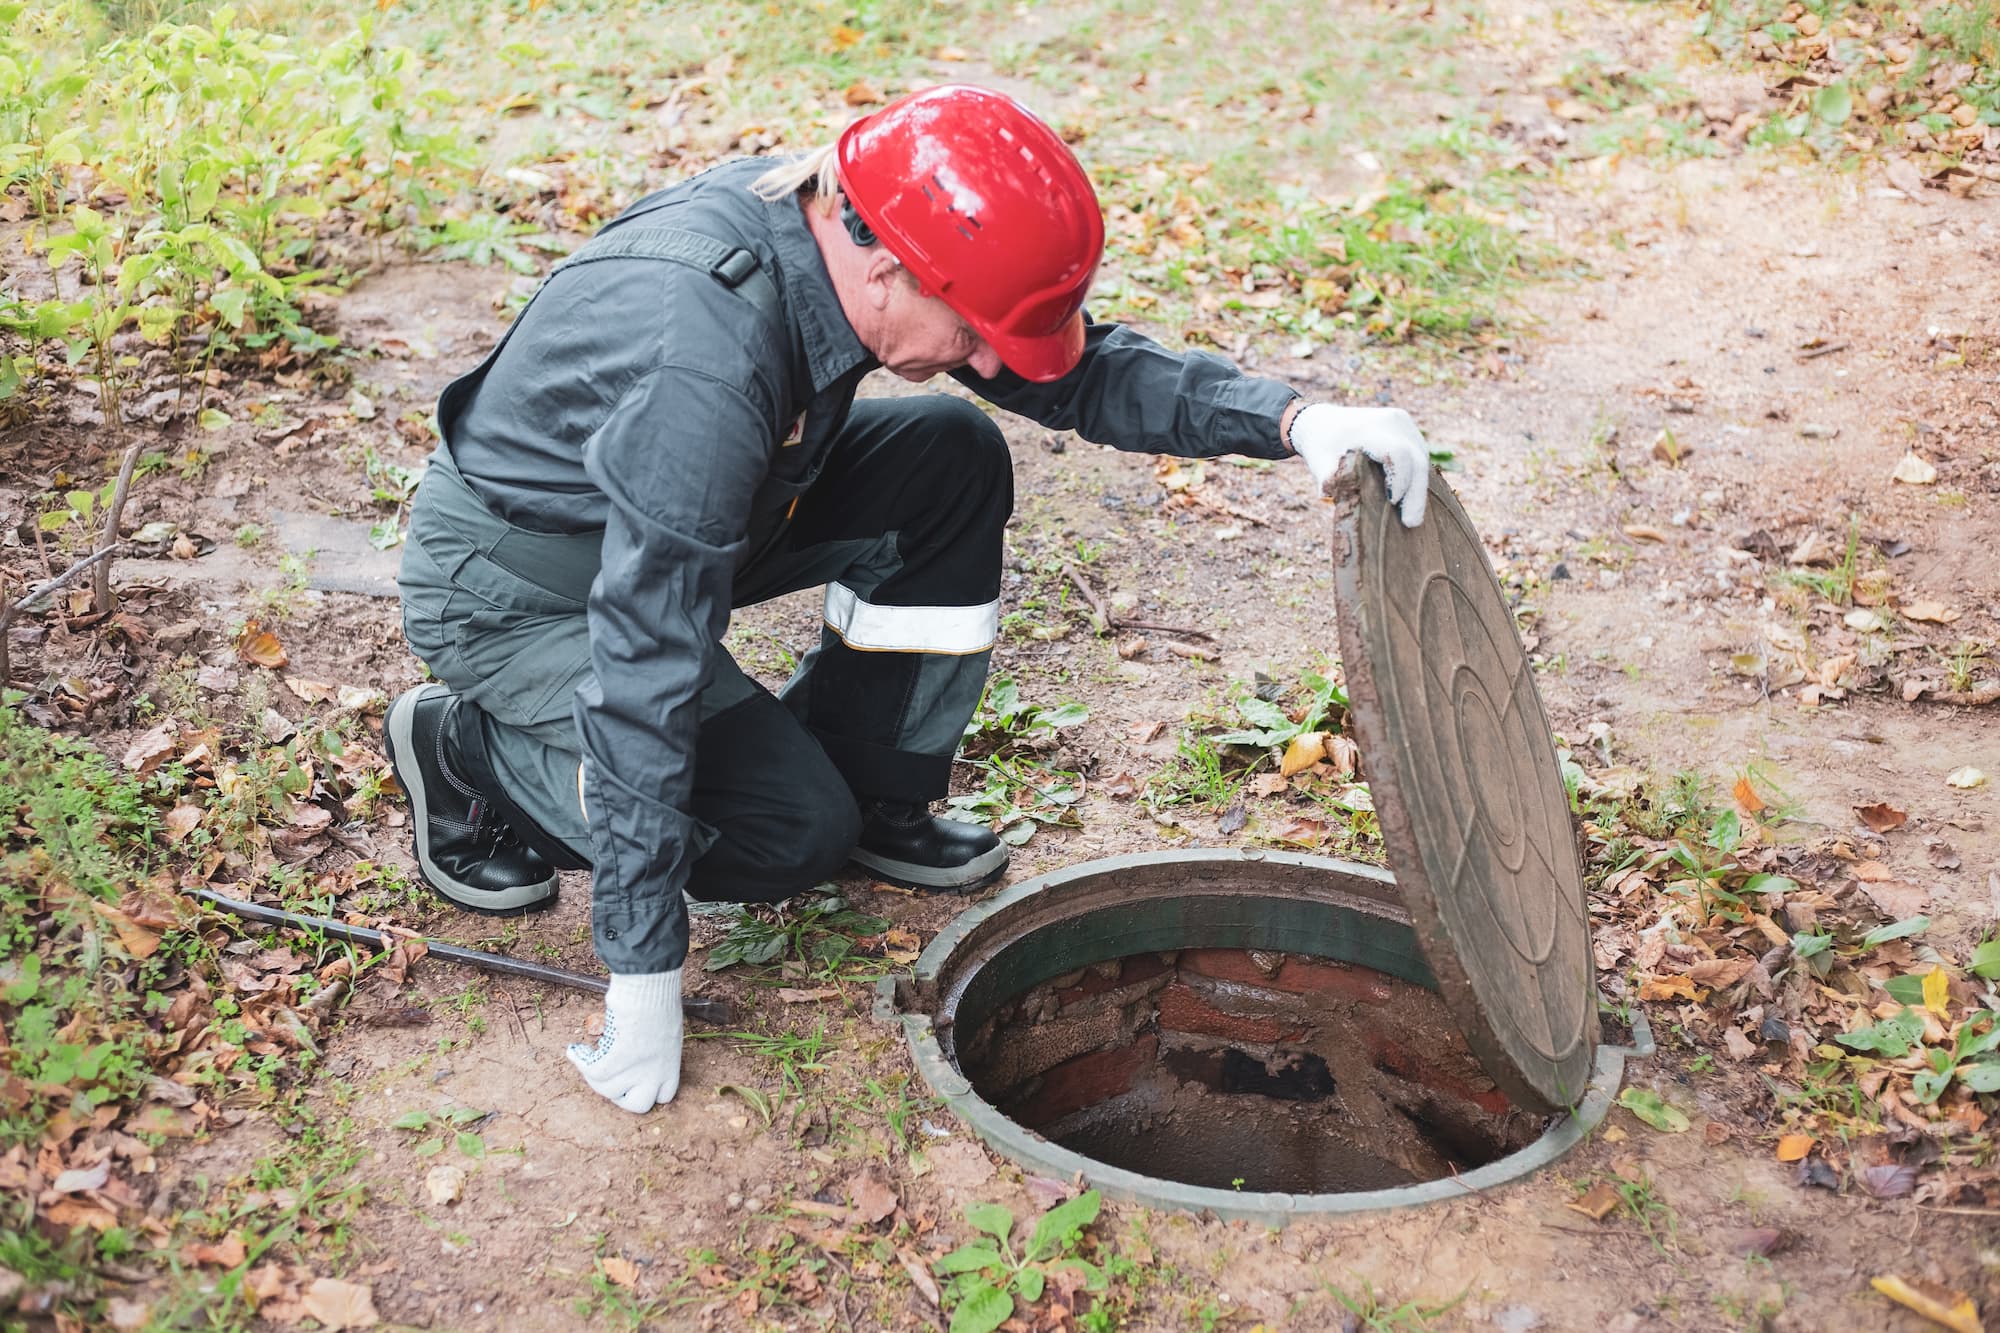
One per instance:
(920, 336)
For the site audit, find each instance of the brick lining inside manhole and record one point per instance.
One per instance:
(1240, 1069)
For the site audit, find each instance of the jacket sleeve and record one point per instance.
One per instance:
(1132, 393)
(679, 458)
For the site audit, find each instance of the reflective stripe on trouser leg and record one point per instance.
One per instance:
(869, 628)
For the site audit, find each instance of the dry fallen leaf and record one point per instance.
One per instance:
(1307, 748)
(1936, 613)
(920, 1275)
(1640, 532)
(1881, 817)
(1668, 988)
(1793, 1147)
(1896, 899)
(1966, 778)
(150, 748)
(181, 821)
(1747, 798)
(1598, 1203)
(872, 1197)
(259, 647)
(310, 691)
(1914, 471)
(1904, 176)
(338, 1304)
(861, 93)
(621, 1271)
(1952, 1309)
(1719, 972)
(794, 995)
(227, 1253)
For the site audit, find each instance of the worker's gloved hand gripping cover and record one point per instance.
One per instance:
(1323, 434)
(637, 1060)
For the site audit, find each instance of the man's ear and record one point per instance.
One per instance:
(881, 276)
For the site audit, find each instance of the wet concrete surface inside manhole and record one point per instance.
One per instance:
(1239, 1069)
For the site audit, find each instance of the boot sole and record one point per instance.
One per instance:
(396, 741)
(973, 875)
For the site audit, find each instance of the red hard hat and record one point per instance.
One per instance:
(991, 212)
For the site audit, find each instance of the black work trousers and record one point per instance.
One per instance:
(903, 526)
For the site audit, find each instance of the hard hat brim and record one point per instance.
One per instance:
(1045, 357)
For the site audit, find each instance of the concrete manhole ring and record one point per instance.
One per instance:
(1250, 1035)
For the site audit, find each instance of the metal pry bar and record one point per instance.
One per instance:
(702, 1009)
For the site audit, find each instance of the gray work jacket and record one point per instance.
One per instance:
(658, 405)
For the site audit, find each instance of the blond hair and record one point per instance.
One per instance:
(815, 174)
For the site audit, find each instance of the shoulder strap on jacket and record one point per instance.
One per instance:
(730, 265)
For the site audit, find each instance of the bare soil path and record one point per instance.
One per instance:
(1742, 361)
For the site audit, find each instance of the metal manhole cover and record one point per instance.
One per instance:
(1467, 787)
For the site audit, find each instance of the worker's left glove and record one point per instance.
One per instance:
(1323, 434)
(637, 1060)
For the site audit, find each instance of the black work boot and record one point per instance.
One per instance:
(906, 844)
(465, 850)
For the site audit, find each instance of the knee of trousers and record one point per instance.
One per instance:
(976, 458)
(778, 853)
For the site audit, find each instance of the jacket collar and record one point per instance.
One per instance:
(832, 351)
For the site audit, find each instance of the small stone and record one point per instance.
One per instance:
(446, 1184)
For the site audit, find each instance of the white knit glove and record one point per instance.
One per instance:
(637, 1061)
(1323, 434)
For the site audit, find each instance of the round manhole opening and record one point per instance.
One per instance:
(1249, 1035)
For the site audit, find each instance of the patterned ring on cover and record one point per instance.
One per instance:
(1466, 784)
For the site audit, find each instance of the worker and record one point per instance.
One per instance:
(669, 430)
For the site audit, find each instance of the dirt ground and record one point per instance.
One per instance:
(1797, 331)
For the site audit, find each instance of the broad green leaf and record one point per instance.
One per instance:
(968, 1259)
(1093, 1276)
(157, 322)
(211, 419)
(1029, 1282)
(1727, 833)
(1980, 1075)
(1975, 1040)
(1929, 1085)
(992, 1218)
(1063, 715)
(1649, 1107)
(1761, 883)
(1986, 960)
(412, 1120)
(1883, 934)
(1805, 945)
(1891, 1037)
(983, 1310)
(53, 520)
(1055, 1226)
(430, 1148)
(1833, 104)
(471, 1145)
(1906, 989)
(82, 502)
(230, 304)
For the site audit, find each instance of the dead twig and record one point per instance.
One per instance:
(1100, 614)
(100, 594)
(1194, 651)
(1827, 350)
(1181, 630)
(9, 610)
